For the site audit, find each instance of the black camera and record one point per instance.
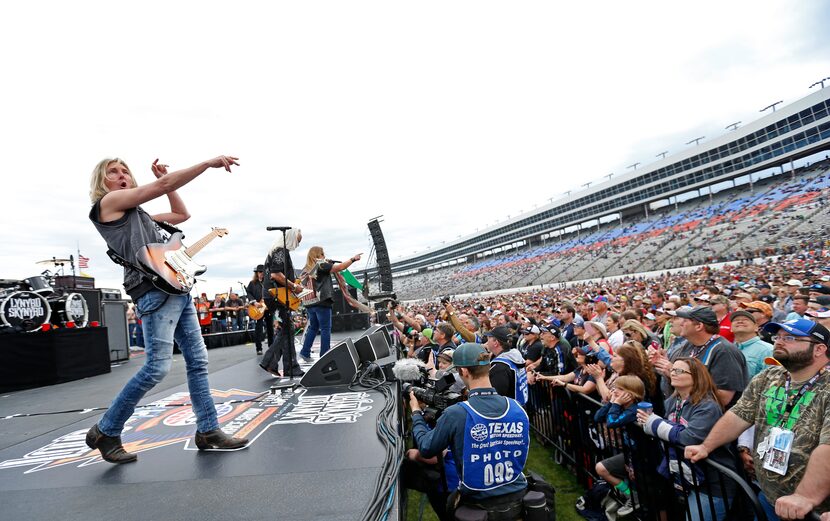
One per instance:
(591, 358)
(435, 392)
(445, 301)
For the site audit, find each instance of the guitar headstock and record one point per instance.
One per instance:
(220, 232)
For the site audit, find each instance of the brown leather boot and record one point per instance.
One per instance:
(218, 440)
(110, 446)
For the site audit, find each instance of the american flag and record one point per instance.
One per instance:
(83, 262)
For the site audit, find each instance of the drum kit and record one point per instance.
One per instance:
(30, 304)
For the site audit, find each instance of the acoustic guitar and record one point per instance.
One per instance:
(173, 264)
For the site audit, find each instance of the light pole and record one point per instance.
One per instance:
(771, 106)
(696, 140)
(609, 176)
(662, 155)
(733, 126)
(819, 82)
(634, 166)
(588, 184)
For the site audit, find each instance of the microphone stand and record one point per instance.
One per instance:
(289, 332)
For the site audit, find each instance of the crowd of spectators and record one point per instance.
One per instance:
(694, 345)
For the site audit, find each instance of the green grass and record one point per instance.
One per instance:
(539, 460)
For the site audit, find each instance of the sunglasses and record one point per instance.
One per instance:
(678, 371)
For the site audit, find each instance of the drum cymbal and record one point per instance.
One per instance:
(53, 262)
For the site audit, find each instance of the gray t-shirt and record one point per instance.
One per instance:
(724, 360)
(125, 236)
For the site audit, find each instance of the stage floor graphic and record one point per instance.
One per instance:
(314, 453)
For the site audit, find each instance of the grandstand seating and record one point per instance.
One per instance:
(732, 224)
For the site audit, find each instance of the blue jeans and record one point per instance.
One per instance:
(704, 513)
(165, 317)
(136, 335)
(319, 320)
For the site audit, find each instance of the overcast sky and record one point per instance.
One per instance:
(444, 117)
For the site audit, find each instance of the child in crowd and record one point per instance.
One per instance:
(619, 411)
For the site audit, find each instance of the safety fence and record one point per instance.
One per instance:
(663, 484)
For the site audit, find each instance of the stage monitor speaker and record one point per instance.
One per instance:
(114, 313)
(382, 254)
(373, 344)
(337, 367)
(93, 303)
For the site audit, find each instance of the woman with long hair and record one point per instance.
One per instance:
(629, 359)
(692, 411)
(316, 276)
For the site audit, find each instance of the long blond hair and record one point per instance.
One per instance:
(311, 259)
(97, 185)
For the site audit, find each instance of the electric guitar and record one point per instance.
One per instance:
(256, 310)
(287, 298)
(173, 264)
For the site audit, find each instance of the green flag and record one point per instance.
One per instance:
(351, 281)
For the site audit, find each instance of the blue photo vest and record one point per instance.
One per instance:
(521, 392)
(495, 449)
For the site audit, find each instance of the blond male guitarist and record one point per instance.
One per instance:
(256, 295)
(277, 265)
(127, 229)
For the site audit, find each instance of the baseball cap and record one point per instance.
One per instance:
(500, 333)
(532, 330)
(742, 313)
(801, 327)
(820, 288)
(427, 332)
(703, 297)
(794, 282)
(649, 316)
(470, 355)
(757, 305)
(702, 314)
(600, 298)
(719, 299)
(819, 313)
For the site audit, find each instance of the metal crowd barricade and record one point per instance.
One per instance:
(708, 490)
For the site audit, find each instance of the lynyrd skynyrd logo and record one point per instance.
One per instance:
(170, 421)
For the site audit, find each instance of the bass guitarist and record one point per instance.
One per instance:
(127, 228)
(277, 263)
(256, 295)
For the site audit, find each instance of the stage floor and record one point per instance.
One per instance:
(314, 453)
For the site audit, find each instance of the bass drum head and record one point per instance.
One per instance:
(39, 284)
(70, 307)
(26, 310)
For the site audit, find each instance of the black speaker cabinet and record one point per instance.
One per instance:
(114, 313)
(337, 367)
(373, 344)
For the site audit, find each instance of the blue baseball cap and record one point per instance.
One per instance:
(801, 327)
(470, 355)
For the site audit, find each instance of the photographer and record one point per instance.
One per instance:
(488, 435)
(507, 371)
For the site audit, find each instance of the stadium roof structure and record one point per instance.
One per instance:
(792, 132)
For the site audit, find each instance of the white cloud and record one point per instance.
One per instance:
(443, 117)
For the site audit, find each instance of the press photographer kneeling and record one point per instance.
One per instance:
(488, 436)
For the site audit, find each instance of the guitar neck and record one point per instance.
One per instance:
(201, 243)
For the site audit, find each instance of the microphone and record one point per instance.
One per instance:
(277, 228)
(408, 370)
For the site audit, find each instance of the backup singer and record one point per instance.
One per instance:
(126, 228)
(256, 293)
(317, 276)
(275, 264)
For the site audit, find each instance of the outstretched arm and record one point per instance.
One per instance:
(115, 203)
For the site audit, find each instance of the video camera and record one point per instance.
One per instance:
(434, 392)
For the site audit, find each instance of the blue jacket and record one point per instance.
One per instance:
(449, 432)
